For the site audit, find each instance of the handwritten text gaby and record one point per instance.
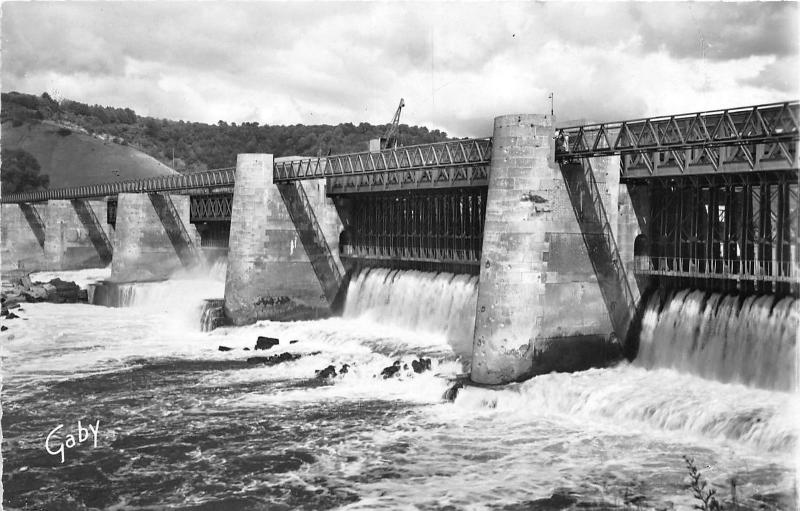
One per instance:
(56, 445)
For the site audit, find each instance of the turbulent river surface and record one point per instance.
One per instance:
(183, 425)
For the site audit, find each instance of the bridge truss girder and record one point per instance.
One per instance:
(210, 208)
(756, 138)
(456, 153)
(210, 181)
(429, 178)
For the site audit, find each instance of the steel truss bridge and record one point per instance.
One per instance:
(746, 139)
(723, 186)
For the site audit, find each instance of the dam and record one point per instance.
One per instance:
(547, 218)
(615, 295)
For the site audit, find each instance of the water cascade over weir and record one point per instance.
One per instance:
(187, 292)
(749, 340)
(433, 303)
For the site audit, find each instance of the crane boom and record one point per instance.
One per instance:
(390, 137)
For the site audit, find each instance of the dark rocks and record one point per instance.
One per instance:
(56, 291)
(274, 359)
(247, 349)
(265, 343)
(20, 289)
(391, 371)
(295, 341)
(421, 365)
(328, 372)
(224, 348)
(11, 315)
(3, 328)
(452, 392)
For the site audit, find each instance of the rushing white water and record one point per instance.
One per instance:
(748, 340)
(218, 269)
(181, 296)
(175, 408)
(430, 303)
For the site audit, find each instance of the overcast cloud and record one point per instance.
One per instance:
(456, 64)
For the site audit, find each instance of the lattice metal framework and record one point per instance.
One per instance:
(208, 182)
(443, 227)
(210, 208)
(742, 228)
(439, 177)
(457, 153)
(754, 138)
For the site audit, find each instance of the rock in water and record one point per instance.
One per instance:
(39, 293)
(345, 369)
(328, 372)
(225, 348)
(452, 392)
(3, 328)
(389, 372)
(274, 359)
(265, 343)
(421, 365)
(61, 291)
(294, 341)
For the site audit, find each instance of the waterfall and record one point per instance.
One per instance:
(219, 269)
(185, 294)
(749, 340)
(434, 303)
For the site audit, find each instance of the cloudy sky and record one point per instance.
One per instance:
(456, 64)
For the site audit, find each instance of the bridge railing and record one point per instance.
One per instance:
(172, 183)
(477, 151)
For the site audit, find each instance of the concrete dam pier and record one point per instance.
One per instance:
(568, 229)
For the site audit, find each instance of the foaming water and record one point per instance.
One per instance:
(658, 401)
(186, 425)
(432, 303)
(727, 338)
(181, 297)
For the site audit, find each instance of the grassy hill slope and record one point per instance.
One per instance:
(72, 158)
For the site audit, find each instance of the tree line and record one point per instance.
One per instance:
(195, 146)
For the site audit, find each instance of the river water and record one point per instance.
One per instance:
(183, 425)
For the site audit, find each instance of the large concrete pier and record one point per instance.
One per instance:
(283, 259)
(539, 306)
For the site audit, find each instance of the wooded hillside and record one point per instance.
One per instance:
(199, 146)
